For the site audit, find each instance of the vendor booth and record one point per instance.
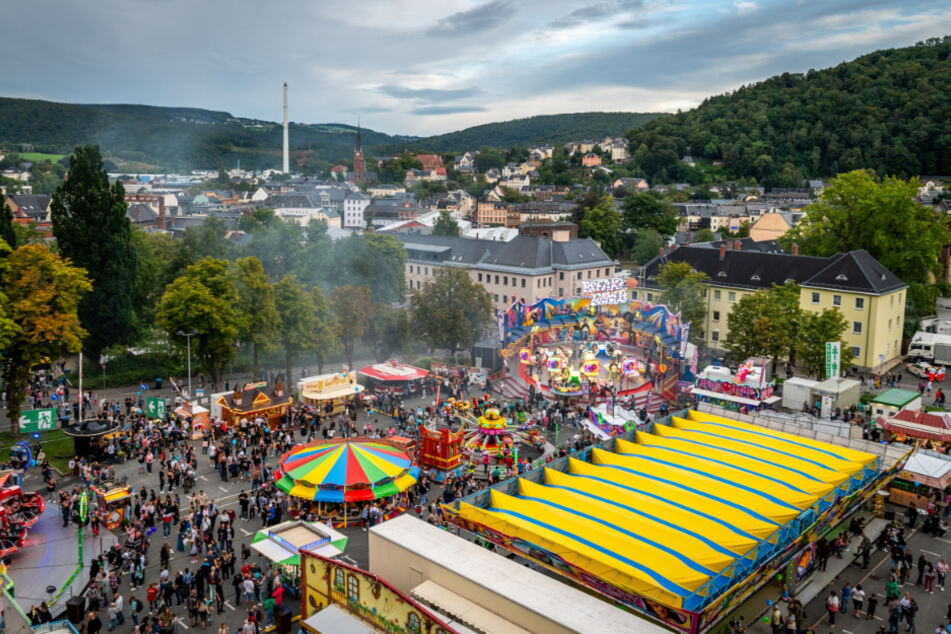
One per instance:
(256, 399)
(926, 474)
(931, 430)
(394, 376)
(281, 545)
(199, 416)
(335, 389)
(114, 499)
(751, 388)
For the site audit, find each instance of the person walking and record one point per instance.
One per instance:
(872, 605)
(858, 598)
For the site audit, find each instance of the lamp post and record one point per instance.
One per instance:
(188, 336)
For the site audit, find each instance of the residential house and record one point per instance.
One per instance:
(301, 208)
(431, 162)
(631, 185)
(517, 181)
(511, 169)
(773, 225)
(492, 175)
(591, 160)
(386, 211)
(143, 216)
(491, 213)
(30, 208)
(870, 297)
(383, 191)
(465, 163)
(354, 204)
(617, 148)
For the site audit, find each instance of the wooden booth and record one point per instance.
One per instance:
(336, 389)
(257, 399)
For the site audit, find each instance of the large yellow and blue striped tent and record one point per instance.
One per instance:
(666, 514)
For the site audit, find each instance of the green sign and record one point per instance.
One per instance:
(37, 420)
(155, 407)
(833, 359)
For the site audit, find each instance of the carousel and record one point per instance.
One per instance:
(84, 432)
(488, 430)
(335, 476)
(18, 512)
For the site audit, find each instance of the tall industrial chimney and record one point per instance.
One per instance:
(286, 149)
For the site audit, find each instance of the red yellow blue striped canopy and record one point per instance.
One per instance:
(345, 471)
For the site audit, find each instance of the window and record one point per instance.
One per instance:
(505, 280)
(505, 298)
(732, 297)
(716, 295)
(589, 275)
(523, 282)
(634, 294)
(410, 268)
(338, 578)
(561, 292)
(859, 303)
(815, 298)
(495, 296)
(856, 327)
(716, 315)
(892, 301)
(561, 275)
(715, 335)
(889, 324)
(353, 588)
(836, 300)
(579, 275)
(650, 297)
(856, 352)
(412, 623)
(496, 279)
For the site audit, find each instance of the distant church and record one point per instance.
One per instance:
(359, 173)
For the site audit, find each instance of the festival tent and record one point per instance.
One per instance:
(348, 471)
(671, 521)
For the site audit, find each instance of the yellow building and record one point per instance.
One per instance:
(870, 297)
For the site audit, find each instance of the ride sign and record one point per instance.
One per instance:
(34, 420)
(155, 407)
(833, 359)
(604, 292)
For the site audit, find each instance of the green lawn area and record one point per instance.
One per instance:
(39, 157)
(57, 445)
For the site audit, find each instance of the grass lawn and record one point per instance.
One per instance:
(39, 157)
(57, 445)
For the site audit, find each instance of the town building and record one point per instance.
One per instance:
(870, 297)
(526, 268)
(354, 204)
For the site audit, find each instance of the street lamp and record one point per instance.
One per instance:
(188, 336)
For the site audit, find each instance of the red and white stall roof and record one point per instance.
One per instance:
(393, 371)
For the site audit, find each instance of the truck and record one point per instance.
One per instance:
(931, 347)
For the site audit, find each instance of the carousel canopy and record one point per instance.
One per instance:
(393, 371)
(347, 471)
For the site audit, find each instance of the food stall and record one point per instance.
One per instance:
(281, 545)
(393, 376)
(336, 389)
(114, 499)
(257, 399)
(929, 430)
(199, 417)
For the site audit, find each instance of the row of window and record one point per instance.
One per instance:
(837, 301)
(413, 622)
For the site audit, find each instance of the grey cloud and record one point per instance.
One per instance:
(481, 18)
(426, 94)
(595, 12)
(446, 109)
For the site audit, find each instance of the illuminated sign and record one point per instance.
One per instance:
(604, 292)
(257, 385)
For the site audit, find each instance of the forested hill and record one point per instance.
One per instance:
(543, 129)
(889, 111)
(175, 138)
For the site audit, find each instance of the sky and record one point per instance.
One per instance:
(424, 67)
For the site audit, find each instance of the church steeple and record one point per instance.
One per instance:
(359, 144)
(359, 168)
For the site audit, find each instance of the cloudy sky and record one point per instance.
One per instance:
(425, 67)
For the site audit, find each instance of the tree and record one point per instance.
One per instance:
(203, 300)
(450, 311)
(765, 323)
(374, 260)
(154, 252)
(647, 245)
(389, 331)
(646, 211)
(815, 331)
(306, 322)
(704, 235)
(604, 224)
(857, 211)
(256, 310)
(446, 225)
(91, 228)
(7, 232)
(682, 289)
(354, 308)
(39, 318)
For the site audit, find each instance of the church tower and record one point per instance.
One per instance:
(359, 169)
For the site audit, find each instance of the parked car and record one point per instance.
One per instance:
(921, 369)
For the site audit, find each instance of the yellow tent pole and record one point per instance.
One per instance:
(345, 518)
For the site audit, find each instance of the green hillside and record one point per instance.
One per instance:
(174, 138)
(888, 111)
(540, 130)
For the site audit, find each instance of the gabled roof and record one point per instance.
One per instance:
(31, 205)
(856, 271)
